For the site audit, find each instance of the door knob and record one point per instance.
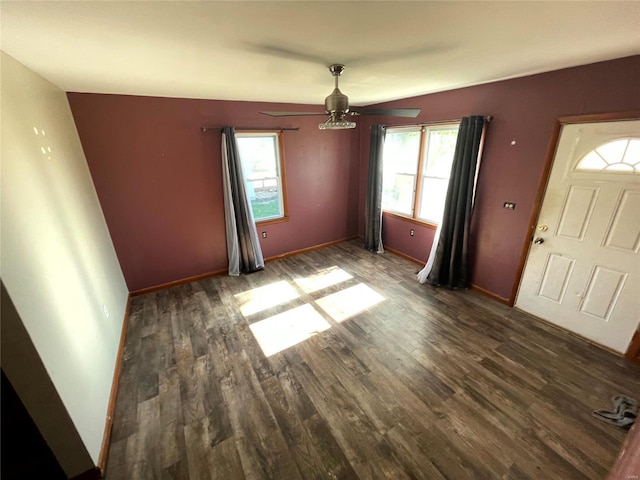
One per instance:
(538, 240)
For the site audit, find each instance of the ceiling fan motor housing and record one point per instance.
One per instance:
(336, 102)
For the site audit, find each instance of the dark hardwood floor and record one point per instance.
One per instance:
(423, 384)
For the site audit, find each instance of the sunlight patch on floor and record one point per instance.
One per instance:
(349, 302)
(261, 298)
(289, 328)
(323, 279)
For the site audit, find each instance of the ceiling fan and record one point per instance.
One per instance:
(337, 107)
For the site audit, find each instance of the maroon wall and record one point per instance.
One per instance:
(159, 181)
(396, 235)
(525, 111)
(158, 176)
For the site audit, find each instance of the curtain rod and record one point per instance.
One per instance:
(282, 129)
(487, 119)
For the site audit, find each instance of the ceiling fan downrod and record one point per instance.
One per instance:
(337, 101)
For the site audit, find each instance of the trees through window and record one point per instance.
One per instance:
(416, 167)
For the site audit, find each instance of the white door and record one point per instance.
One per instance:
(583, 269)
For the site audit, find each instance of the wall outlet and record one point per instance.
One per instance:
(412, 232)
(105, 310)
(264, 234)
(509, 205)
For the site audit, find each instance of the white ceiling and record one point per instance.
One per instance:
(278, 51)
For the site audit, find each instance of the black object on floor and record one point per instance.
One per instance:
(624, 413)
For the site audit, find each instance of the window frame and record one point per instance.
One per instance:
(417, 189)
(280, 167)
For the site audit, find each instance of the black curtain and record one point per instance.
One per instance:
(243, 246)
(373, 207)
(450, 264)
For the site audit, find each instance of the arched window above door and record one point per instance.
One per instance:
(619, 156)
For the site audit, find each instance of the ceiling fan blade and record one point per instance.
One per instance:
(294, 52)
(286, 52)
(291, 114)
(392, 112)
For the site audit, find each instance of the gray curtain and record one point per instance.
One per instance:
(243, 246)
(450, 261)
(373, 207)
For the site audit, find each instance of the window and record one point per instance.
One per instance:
(262, 165)
(416, 167)
(621, 156)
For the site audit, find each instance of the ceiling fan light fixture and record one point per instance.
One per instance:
(339, 125)
(336, 122)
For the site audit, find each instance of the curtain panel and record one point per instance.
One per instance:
(373, 206)
(447, 264)
(243, 246)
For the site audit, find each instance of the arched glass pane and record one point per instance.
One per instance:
(632, 156)
(621, 156)
(612, 152)
(592, 161)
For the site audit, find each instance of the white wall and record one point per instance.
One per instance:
(58, 263)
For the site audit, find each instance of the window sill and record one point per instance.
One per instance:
(271, 221)
(416, 221)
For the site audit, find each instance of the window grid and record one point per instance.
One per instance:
(619, 156)
(417, 186)
(420, 174)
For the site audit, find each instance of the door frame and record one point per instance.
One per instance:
(544, 180)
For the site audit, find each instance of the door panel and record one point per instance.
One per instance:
(583, 271)
(603, 289)
(577, 210)
(556, 277)
(624, 232)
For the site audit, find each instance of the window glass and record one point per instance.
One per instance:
(632, 155)
(434, 192)
(400, 160)
(621, 156)
(592, 161)
(438, 158)
(413, 186)
(261, 165)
